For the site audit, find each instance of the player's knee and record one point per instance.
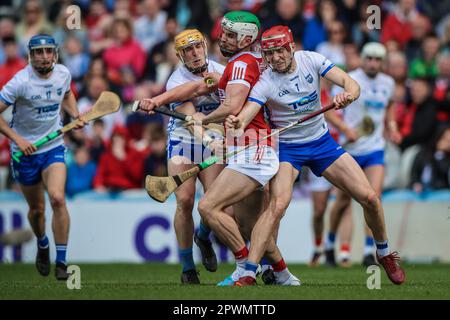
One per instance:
(278, 209)
(36, 212)
(57, 199)
(372, 201)
(185, 203)
(205, 207)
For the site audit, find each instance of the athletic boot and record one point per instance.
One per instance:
(369, 260)
(190, 277)
(315, 259)
(209, 258)
(43, 261)
(268, 277)
(330, 260)
(393, 270)
(61, 271)
(245, 281)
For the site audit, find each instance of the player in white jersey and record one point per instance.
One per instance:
(375, 105)
(37, 94)
(184, 151)
(248, 172)
(290, 88)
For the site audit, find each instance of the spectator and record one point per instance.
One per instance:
(287, 13)
(445, 39)
(34, 22)
(62, 33)
(431, 167)
(315, 28)
(361, 33)
(420, 28)
(397, 25)
(98, 22)
(397, 68)
(426, 65)
(417, 120)
(333, 49)
(191, 14)
(156, 162)
(149, 29)
(121, 167)
(7, 26)
(126, 52)
(75, 59)
(95, 86)
(13, 62)
(98, 141)
(441, 91)
(80, 173)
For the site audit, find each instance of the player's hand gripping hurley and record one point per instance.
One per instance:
(160, 188)
(181, 116)
(107, 103)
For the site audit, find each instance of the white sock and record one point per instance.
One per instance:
(368, 250)
(382, 248)
(282, 276)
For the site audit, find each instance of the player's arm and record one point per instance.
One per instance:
(349, 133)
(342, 79)
(235, 96)
(241, 121)
(183, 92)
(391, 125)
(25, 146)
(69, 104)
(198, 132)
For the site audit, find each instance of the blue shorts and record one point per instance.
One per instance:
(371, 159)
(28, 170)
(196, 153)
(317, 155)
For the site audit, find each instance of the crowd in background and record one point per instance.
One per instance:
(126, 46)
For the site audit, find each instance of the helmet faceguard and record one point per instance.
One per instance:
(42, 41)
(276, 38)
(185, 39)
(243, 24)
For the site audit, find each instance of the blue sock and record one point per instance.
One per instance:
(43, 242)
(61, 250)
(203, 232)
(329, 243)
(264, 265)
(368, 247)
(250, 269)
(382, 248)
(187, 259)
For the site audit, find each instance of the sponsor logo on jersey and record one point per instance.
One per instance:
(283, 93)
(312, 97)
(374, 104)
(36, 97)
(207, 107)
(221, 95)
(45, 109)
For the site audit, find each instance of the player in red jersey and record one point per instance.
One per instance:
(240, 184)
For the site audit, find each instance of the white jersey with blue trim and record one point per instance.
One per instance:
(204, 104)
(36, 104)
(376, 93)
(291, 96)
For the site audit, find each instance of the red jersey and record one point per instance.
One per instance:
(244, 68)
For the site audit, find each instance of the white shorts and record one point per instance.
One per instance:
(318, 184)
(260, 163)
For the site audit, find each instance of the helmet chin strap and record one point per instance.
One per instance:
(45, 70)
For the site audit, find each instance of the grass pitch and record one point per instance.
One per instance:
(162, 281)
